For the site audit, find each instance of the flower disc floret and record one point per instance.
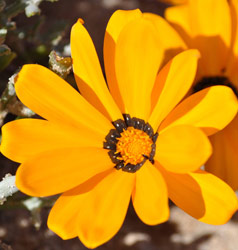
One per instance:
(131, 143)
(133, 146)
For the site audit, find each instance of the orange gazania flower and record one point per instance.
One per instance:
(210, 26)
(100, 148)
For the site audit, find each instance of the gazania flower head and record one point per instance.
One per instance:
(211, 27)
(135, 139)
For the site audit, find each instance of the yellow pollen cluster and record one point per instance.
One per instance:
(132, 145)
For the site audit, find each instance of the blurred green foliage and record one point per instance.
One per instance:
(28, 37)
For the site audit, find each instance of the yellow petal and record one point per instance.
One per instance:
(62, 218)
(58, 170)
(182, 149)
(173, 81)
(210, 109)
(150, 196)
(223, 162)
(137, 58)
(114, 27)
(169, 40)
(54, 99)
(104, 208)
(205, 25)
(24, 138)
(202, 195)
(88, 73)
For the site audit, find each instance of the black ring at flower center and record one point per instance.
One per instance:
(213, 81)
(115, 135)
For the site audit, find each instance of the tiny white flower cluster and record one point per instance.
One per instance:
(32, 7)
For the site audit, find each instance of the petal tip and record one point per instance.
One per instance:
(80, 20)
(89, 244)
(196, 53)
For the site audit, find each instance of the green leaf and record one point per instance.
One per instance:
(4, 50)
(3, 33)
(14, 9)
(6, 59)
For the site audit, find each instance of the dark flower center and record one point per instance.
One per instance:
(131, 143)
(214, 80)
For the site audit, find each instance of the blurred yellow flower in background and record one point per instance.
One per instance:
(135, 138)
(211, 26)
(174, 1)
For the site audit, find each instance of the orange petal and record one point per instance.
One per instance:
(234, 18)
(58, 170)
(232, 72)
(170, 40)
(205, 25)
(210, 109)
(137, 58)
(88, 73)
(231, 67)
(223, 162)
(174, 81)
(202, 195)
(114, 27)
(25, 138)
(54, 99)
(179, 17)
(182, 149)
(150, 196)
(103, 209)
(62, 218)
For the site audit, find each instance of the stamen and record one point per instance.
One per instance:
(131, 143)
(206, 82)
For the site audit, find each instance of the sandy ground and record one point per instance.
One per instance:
(181, 232)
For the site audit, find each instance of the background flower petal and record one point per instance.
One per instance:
(234, 26)
(88, 73)
(169, 39)
(51, 97)
(232, 65)
(202, 195)
(24, 138)
(205, 25)
(103, 210)
(173, 81)
(210, 109)
(182, 149)
(59, 170)
(150, 196)
(223, 162)
(114, 27)
(137, 58)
